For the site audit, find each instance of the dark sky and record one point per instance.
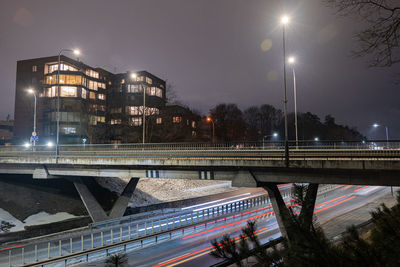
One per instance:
(212, 51)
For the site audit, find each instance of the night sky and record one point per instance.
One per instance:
(212, 51)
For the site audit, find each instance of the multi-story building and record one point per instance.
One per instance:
(95, 106)
(126, 100)
(82, 98)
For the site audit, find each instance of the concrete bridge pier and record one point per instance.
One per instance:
(288, 224)
(96, 212)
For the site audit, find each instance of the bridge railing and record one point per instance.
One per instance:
(272, 147)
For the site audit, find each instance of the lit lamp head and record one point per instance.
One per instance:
(30, 90)
(133, 75)
(291, 60)
(375, 125)
(208, 119)
(285, 20)
(76, 52)
(275, 135)
(316, 139)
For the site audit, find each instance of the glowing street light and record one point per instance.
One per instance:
(31, 91)
(275, 135)
(209, 119)
(133, 76)
(50, 144)
(316, 139)
(376, 125)
(291, 61)
(285, 20)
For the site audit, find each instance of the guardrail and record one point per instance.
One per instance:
(126, 236)
(240, 149)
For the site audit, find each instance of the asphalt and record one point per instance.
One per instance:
(335, 210)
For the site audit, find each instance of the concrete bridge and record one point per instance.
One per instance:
(250, 165)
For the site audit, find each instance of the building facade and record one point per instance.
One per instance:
(95, 106)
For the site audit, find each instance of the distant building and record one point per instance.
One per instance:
(6, 131)
(95, 106)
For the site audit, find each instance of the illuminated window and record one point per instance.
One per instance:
(194, 133)
(68, 91)
(84, 93)
(92, 73)
(140, 79)
(152, 111)
(134, 110)
(158, 92)
(135, 121)
(159, 120)
(69, 130)
(176, 119)
(193, 124)
(116, 121)
(133, 88)
(49, 68)
(122, 81)
(101, 108)
(101, 96)
(92, 95)
(50, 92)
(148, 80)
(100, 119)
(34, 68)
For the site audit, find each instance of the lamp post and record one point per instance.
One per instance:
(266, 136)
(375, 125)
(284, 21)
(134, 76)
(209, 119)
(291, 61)
(75, 52)
(31, 91)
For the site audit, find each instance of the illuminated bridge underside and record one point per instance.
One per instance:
(244, 169)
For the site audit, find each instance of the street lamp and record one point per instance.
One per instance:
(291, 61)
(316, 139)
(133, 77)
(266, 136)
(285, 20)
(31, 91)
(209, 119)
(77, 53)
(375, 125)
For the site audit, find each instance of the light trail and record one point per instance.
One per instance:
(191, 256)
(211, 202)
(361, 188)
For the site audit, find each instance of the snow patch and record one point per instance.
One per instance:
(151, 191)
(36, 219)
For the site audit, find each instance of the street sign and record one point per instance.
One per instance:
(34, 138)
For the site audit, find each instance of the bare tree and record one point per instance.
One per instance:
(172, 95)
(381, 37)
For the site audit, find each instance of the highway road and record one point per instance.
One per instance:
(111, 234)
(193, 248)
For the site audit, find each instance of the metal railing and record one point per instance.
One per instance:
(125, 236)
(227, 149)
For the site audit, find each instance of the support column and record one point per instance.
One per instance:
(94, 209)
(282, 213)
(307, 209)
(122, 202)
